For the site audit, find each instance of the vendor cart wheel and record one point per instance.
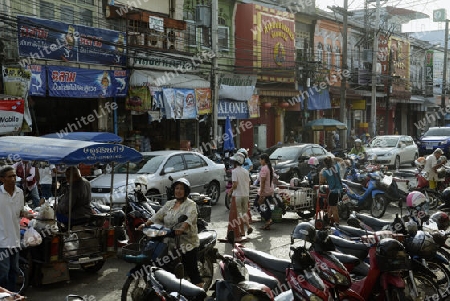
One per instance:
(92, 267)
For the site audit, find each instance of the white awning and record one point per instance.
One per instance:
(172, 79)
(242, 93)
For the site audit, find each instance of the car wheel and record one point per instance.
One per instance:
(213, 192)
(413, 164)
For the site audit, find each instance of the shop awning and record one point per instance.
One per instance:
(170, 79)
(242, 93)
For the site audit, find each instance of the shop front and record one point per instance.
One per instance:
(264, 42)
(167, 110)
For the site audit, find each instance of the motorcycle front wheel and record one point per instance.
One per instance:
(135, 289)
(379, 206)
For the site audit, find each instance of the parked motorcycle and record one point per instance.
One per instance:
(153, 252)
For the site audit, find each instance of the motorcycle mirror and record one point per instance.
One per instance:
(179, 271)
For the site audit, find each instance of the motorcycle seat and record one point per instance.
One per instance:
(358, 249)
(346, 258)
(374, 223)
(267, 261)
(352, 231)
(259, 276)
(353, 185)
(206, 238)
(102, 208)
(172, 284)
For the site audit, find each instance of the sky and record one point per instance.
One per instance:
(424, 6)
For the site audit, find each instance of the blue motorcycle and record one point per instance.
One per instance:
(359, 197)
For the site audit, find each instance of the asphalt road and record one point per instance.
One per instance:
(107, 283)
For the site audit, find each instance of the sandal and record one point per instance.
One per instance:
(266, 227)
(249, 231)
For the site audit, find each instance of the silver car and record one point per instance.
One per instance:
(393, 150)
(202, 173)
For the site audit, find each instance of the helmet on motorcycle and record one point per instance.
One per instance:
(304, 231)
(239, 158)
(313, 161)
(422, 244)
(415, 199)
(441, 219)
(301, 259)
(420, 162)
(140, 184)
(391, 255)
(186, 184)
(294, 182)
(243, 151)
(445, 196)
(358, 141)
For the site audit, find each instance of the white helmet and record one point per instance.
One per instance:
(243, 151)
(358, 141)
(239, 158)
(141, 183)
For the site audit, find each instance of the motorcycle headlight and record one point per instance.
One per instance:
(341, 279)
(123, 189)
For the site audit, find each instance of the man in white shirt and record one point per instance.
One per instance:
(432, 163)
(45, 180)
(11, 204)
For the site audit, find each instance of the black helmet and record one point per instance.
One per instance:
(185, 182)
(391, 256)
(304, 231)
(323, 243)
(441, 219)
(389, 248)
(301, 259)
(445, 196)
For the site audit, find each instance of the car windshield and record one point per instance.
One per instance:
(285, 153)
(384, 142)
(148, 165)
(438, 132)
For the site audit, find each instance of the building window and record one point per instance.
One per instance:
(329, 57)
(86, 17)
(319, 52)
(337, 58)
(67, 14)
(47, 10)
(204, 36)
(223, 36)
(191, 33)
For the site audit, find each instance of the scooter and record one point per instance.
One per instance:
(153, 251)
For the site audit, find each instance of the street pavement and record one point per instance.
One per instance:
(107, 283)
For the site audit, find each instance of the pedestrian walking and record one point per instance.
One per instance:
(330, 175)
(240, 191)
(264, 198)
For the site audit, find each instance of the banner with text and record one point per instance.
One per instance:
(11, 115)
(233, 108)
(180, 103)
(86, 83)
(46, 39)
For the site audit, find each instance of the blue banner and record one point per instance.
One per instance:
(234, 109)
(38, 85)
(45, 39)
(86, 83)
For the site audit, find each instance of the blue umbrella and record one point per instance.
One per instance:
(228, 143)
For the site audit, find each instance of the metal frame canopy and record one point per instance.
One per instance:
(63, 151)
(101, 137)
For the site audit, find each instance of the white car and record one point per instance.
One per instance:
(202, 173)
(393, 150)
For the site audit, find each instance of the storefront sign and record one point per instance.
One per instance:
(86, 83)
(46, 39)
(234, 109)
(359, 104)
(38, 85)
(237, 80)
(180, 103)
(11, 115)
(156, 23)
(161, 63)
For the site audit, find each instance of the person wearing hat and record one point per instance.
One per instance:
(240, 192)
(432, 163)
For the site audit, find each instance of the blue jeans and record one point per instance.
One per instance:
(46, 191)
(9, 268)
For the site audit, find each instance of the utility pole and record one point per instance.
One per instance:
(343, 101)
(444, 75)
(214, 67)
(373, 106)
(389, 80)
